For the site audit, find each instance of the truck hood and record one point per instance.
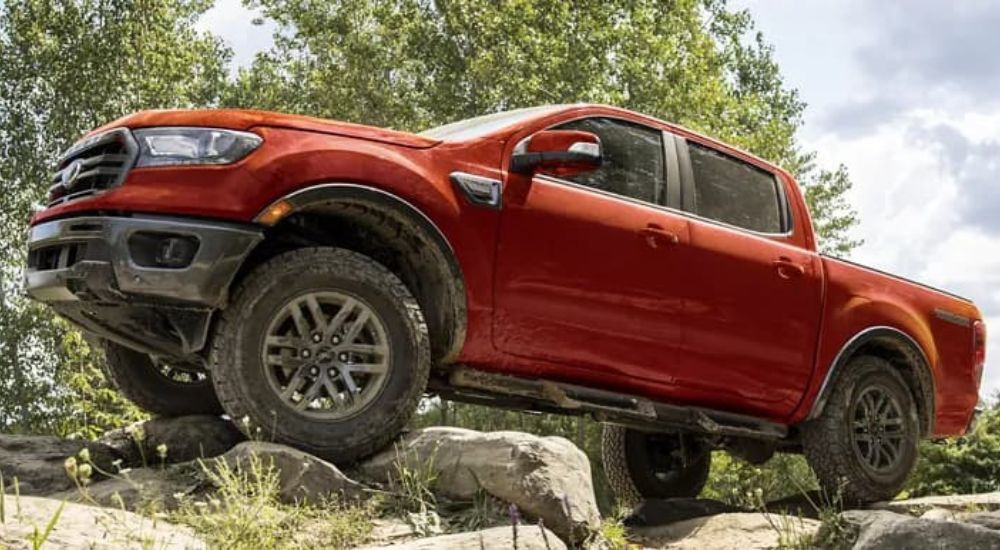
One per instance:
(241, 119)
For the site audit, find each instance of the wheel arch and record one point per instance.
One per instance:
(387, 228)
(902, 351)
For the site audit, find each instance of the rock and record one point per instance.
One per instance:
(939, 514)
(744, 531)
(656, 511)
(184, 438)
(302, 477)
(882, 529)
(529, 537)
(80, 526)
(545, 477)
(148, 488)
(981, 502)
(38, 462)
(989, 520)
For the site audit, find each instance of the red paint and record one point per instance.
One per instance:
(570, 284)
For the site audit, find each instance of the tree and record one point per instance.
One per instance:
(65, 68)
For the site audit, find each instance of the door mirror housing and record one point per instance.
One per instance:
(557, 152)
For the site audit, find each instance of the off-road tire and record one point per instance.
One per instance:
(828, 441)
(137, 377)
(631, 475)
(240, 377)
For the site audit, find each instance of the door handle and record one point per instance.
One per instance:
(655, 234)
(787, 268)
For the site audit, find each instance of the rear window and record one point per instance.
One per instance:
(734, 192)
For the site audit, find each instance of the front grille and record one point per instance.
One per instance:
(93, 165)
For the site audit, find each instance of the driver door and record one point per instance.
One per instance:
(588, 266)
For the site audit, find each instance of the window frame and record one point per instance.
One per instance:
(688, 190)
(664, 188)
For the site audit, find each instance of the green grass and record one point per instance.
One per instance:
(244, 512)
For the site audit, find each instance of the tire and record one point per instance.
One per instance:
(641, 465)
(849, 452)
(307, 394)
(156, 388)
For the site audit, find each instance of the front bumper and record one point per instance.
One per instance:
(101, 273)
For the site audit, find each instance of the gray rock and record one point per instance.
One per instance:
(745, 531)
(184, 438)
(545, 477)
(142, 488)
(38, 462)
(80, 526)
(529, 537)
(989, 520)
(882, 529)
(302, 476)
(980, 502)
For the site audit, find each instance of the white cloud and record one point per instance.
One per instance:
(233, 22)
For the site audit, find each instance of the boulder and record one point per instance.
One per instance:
(871, 529)
(142, 488)
(301, 476)
(38, 462)
(742, 530)
(962, 503)
(180, 439)
(529, 537)
(547, 478)
(79, 526)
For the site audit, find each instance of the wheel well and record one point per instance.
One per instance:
(910, 362)
(400, 239)
(912, 366)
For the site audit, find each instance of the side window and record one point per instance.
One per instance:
(734, 192)
(633, 158)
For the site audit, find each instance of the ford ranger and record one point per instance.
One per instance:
(319, 278)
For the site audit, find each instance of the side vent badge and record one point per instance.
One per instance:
(479, 190)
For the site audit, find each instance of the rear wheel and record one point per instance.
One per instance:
(322, 349)
(159, 386)
(641, 465)
(864, 445)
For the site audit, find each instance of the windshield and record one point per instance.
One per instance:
(482, 125)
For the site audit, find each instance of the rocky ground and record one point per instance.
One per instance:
(119, 492)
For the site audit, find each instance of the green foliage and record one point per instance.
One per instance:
(245, 513)
(740, 483)
(961, 466)
(65, 68)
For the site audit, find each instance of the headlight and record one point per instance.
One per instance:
(174, 145)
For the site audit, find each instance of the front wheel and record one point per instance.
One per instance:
(864, 445)
(641, 465)
(323, 349)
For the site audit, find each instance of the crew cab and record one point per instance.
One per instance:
(319, 278)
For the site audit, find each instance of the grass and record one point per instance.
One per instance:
(245, 512)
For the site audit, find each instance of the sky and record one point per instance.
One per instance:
(904, 95)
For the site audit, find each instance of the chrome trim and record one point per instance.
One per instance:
(953, 318)
(822, 395)
(478, 190)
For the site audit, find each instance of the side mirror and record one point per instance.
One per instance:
(557, 152)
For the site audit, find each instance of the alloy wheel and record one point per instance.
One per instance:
(326, 355)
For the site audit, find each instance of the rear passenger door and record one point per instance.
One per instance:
(753, 293)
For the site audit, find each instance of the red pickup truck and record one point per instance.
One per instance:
(319, 278)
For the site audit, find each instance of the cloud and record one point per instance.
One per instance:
(929, 44)
(975, 165)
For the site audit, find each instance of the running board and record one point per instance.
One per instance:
(481, 387)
